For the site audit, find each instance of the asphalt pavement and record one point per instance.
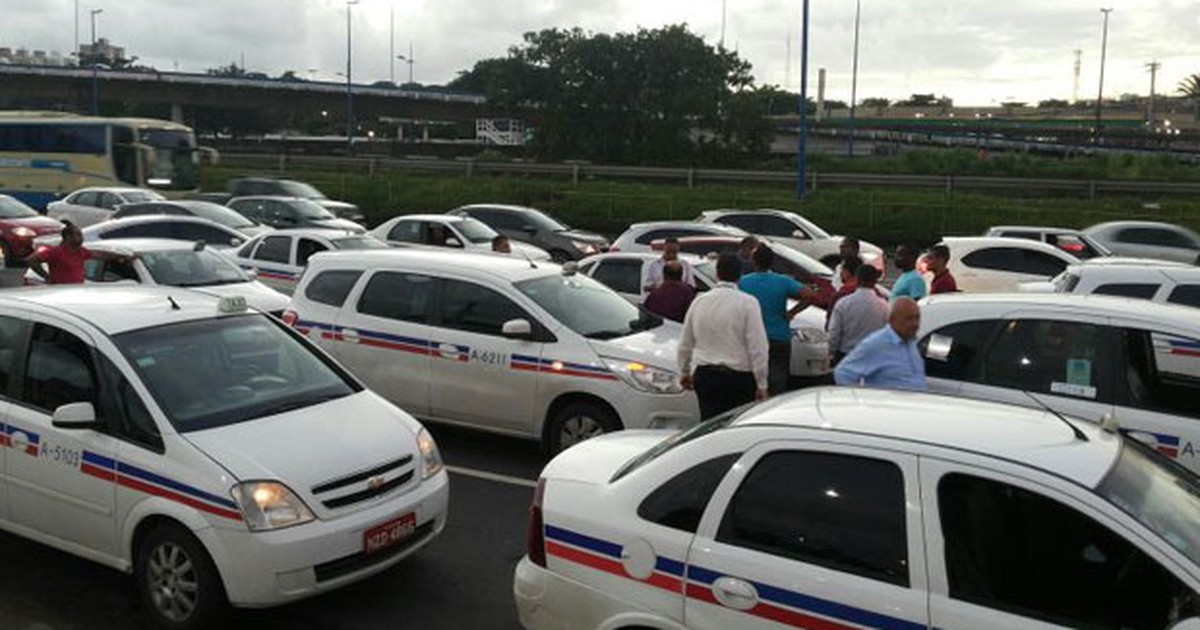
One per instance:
(463, 579)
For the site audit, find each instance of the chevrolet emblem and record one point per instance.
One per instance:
(374, 483)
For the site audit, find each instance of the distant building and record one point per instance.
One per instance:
(26, 57)
(102, 52)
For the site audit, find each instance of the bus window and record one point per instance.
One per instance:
(124, 155)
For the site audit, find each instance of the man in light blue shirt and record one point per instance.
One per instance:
(910, 283)
(888, 358)
(772, 290)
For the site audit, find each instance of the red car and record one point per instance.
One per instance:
(19, 225)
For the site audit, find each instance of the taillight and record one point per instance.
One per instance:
(290, 317)
(535, 538)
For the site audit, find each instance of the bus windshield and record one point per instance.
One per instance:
(174, 163)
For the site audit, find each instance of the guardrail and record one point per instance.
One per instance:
(692, 176)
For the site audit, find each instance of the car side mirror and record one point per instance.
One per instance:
(80, 415)
(251, 273)
(453, 242)
(800, 235)
(517, 329)
(235, 241)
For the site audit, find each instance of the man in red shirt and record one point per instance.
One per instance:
(66, 259)
(672, 298)
(938, 260)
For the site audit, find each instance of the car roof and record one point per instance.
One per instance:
(1035, 228)
(500, 268)
(105, 226)
(496, 206)
(1029, 436)
(115, 309)
(321, 232)
(976, 242)
(716, 227)
(115, 189)
(645, 256)
(1119, 224)
(138, 245)
(1092, 305)
(440, 218)
(270, 197)
(1118, 261)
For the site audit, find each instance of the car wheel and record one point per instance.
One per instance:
(177, 581)
(579, 421)
(559, 256)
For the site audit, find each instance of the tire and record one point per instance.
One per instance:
(177, 581)
(578, 421)
(559, 256)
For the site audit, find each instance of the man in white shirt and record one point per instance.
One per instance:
(652, 274)
(723, 353)
(857, 315)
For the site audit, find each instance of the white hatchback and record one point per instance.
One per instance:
(990, 264)
(1143, 279)
(279, 258)
(186, 440)
(1101, 358)
(495, 343)
(841, 508)
(794, 231)
(443, 231)
(88, 206)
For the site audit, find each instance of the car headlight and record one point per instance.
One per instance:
(23, 232)
(807, 334)
(431, 457)
(268, 505)
(586, 248)
(644, 378)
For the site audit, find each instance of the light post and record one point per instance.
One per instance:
(408, 60)
(95, 74)
(1103, 54)
(349, 93)
(802, 139)
(854, 77)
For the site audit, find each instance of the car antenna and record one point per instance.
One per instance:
(174, 305)
(529, 260)
(1079, 435)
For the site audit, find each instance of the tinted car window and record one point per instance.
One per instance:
(1155, 236)
(11, 339)
(122, 410)
(276, 249)
(778, 226)
(837, 511)
(679, 503)
(1029, 236)
(747, 222)
(1053, 357)
(206, 233)
(956, 351)
(85, 198)
(1140, 291)
(1087, 576)
(405, 232)
(331, 287)
(141, 230)
(109, 200)
(400, 296)
(59, 370)
(306, 248)
(623, 276)
(470, 307)
(1186, 294)
(1015, 260)
(654, 235)
(1162, 373)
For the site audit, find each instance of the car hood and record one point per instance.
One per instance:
(310, 446)
(656, 347)
(340, 224)
(585, 237)
(39, 224)
(595, 461)
(531, 251)
(257, 295)
(341, 209)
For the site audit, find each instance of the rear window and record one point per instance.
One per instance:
(683, 437)
(1140, 291)
(331, 287)
(1186, 294)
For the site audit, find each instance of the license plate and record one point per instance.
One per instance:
(389, 534)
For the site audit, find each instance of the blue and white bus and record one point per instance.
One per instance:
(46, 155)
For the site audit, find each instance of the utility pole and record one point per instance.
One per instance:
(392, 46)
(408, 60)
(1078, 69)
(802, 139)
(724, 13)
(1103, 55)
(349, 81)
(854, 78)
(1153, 67)
(95, 69)
(76, 49)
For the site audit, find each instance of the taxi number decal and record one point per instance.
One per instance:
(490, 357)
(60, 455)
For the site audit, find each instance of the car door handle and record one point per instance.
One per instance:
(349, 335)
(448, 351)
(734, 593)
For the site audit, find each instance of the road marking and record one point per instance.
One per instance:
(483, 474)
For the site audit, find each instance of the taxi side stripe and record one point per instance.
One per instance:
(667, 565)
(128, 470)
(587, 542)
(136, 484)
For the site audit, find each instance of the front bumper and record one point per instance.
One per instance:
(261, 569)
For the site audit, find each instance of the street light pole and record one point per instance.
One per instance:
(349, 93)
(408, 60)
(802, 139)
(392, 45)
(95, 74)
(1103, 55)
(854, 77)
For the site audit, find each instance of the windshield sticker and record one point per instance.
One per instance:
(939, 348)
(1072, 389)
(145, 362)
(1079, 372)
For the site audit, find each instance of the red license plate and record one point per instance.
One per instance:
(389, 534)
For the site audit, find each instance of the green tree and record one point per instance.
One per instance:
(232, 70)
(1053, 103)
(875, 101)
(1189, 88)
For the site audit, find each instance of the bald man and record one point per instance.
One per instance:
(888, 357)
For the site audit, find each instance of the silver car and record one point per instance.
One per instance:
(1148, 239)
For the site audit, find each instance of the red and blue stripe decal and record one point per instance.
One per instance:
(551, 366)
(775, 604)
(141, 480)
(1164, 443)
(32, 441)
(272, 274)
(387, 341)
(1177, 346)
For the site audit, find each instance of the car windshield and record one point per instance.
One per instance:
(225, 370)
(359, 242)
(812, 228)
(217, 214)
(587, 307)
(189, 268)
(544, 222)
(12, 209)
(138, 196)
(683, 437)
(300, 189)
(475, 230)
(174, 162)
(1157, 492)
(310, 209)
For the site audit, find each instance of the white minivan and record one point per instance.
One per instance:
(1101, 358)
(190, 442)
(494, 342)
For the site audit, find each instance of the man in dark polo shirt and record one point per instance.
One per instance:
(672, 298)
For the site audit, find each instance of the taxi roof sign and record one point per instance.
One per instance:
(231, 304)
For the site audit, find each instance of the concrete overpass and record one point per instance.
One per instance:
(181, 96)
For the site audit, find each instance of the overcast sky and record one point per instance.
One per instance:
(978, 52)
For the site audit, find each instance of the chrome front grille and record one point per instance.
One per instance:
(368, 484)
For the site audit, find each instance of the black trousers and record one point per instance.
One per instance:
(721, 389)
(780, 367)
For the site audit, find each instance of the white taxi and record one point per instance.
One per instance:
(187, 440)
(494, 342)
(278, 258)
(1096, 357)
(841, 508)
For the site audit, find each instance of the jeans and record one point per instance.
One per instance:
(780, 367)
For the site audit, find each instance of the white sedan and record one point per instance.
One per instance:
(280, 257)
(987, 264)
(1144, 279)
(794, 231)
(443, 231)
(88, 206)
(841, 508)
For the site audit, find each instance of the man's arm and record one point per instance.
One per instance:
(756, 345)
(835, 330)
(856, 367)
(35, 263)
(648, 282)
(683, 355)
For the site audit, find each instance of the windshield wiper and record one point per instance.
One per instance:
(608, 334)
(294, 404)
